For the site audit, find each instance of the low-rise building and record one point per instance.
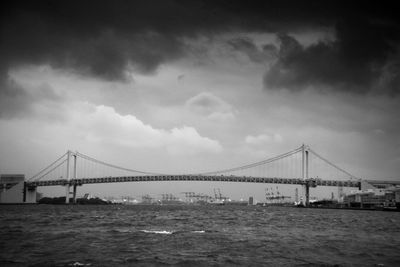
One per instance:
(374, 198)
(13, 190)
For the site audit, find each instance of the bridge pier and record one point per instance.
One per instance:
(307, 194)
(24, 193)
(29, 193)
(67, 193)
(74, 194)
(311, 182)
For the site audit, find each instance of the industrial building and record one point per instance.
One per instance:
(388, 198)
(14, 191)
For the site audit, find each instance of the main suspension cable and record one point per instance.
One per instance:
(333, 165)
(287, 154)
(115, 166)
(39, 173)
(55, 167)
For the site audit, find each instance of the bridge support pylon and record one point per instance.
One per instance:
(307, 186)
(67, 193)
(305, 173)
(311, 182)
(74, 194)
(67, 186)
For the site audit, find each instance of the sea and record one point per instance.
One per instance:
(184, 235)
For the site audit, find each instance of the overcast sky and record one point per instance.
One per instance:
(187, 86)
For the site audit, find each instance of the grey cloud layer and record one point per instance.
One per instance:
(103, 38)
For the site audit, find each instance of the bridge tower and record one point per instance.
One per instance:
(68, 178)
(75, 173)
(304, 157)
(68, 185)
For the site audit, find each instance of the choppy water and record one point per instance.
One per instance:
(46, 235)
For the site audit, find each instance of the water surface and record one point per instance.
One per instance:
(115, 235)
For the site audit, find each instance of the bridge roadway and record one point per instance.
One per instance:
(210, 178)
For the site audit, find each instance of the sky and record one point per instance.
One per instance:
(190, 86)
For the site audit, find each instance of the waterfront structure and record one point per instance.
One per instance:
(196, 198)
(147, 199)
(12, 187)
(251, 201)
(374, 198)
(275, 197)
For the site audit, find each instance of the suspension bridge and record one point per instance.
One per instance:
(301, 166)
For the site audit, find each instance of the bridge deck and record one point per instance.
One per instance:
(218, 178)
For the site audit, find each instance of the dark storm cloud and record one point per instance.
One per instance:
(104, 38)
(363, 58)
(91, 45)
(246, 46)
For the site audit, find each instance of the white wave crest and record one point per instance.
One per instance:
(157, 232)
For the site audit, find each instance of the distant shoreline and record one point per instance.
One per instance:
(144, 204)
